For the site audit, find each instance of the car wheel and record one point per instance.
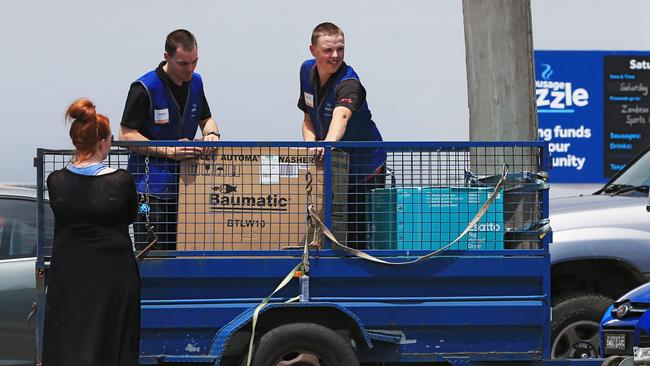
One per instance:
(618, 361)
(576, 325)
(303, 344)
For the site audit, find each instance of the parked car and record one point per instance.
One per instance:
(18, 237)
(600, 251)
(625, 328)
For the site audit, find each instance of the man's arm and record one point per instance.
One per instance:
(129, 134)
(340, 117)
(170, 152)
(308, 132)
(209, 129)
(350, 95)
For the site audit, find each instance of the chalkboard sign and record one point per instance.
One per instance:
(626, 109)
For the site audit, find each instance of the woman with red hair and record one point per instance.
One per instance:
(92, 311)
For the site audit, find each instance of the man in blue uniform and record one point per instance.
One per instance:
(167, 103)
(335, 107)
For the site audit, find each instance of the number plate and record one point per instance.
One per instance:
(615, 342)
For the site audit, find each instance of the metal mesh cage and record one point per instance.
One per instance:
(245, 197)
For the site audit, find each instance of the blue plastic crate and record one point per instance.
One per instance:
(429, 218)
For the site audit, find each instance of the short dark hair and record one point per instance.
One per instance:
(325, 29)
(179, 38)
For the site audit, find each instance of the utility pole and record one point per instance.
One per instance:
(501, 93)
(500, 70)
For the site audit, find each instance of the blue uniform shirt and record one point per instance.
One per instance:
(364, 162)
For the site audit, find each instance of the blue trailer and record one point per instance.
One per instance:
(475, 294)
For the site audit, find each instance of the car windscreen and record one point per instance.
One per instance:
(637, 174)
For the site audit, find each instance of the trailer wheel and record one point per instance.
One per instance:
(576, 325)
(303, 344)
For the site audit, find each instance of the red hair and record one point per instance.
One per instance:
(87, 128)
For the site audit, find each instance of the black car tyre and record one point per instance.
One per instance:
(575, 331)
(303, 344)
(617, 361)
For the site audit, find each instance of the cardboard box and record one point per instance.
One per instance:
(255, 198)
(428, 218)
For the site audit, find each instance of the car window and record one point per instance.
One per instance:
(636, 174)
(22, 242)
(18, 233)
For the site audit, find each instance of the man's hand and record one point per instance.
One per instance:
(211, 137)
(210, 133)
(319, 153)
(182, 152)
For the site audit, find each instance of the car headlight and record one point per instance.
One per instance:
(622, 310)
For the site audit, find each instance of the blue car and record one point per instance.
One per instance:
(625, 327)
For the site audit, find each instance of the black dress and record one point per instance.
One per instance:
(92, 312)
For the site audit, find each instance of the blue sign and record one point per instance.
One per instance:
(593, 110)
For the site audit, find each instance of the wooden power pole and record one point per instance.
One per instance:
(500, 70)
(501, 93)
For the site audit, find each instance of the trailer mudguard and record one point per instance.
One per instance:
(354, 325)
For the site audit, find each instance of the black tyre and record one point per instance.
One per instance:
(618, 361)
(576, 325)
(612, 361)
(303, 344)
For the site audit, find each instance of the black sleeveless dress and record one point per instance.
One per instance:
(92, 312)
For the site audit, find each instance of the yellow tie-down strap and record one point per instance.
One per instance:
(318, 223)
(259, 307)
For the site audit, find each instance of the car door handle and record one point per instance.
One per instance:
(30, 316)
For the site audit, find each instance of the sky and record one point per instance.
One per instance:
(410, 56)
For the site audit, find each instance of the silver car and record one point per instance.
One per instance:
(600, 250)
(18, 236)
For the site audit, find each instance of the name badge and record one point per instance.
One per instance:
(309, 100)
(161, 116)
